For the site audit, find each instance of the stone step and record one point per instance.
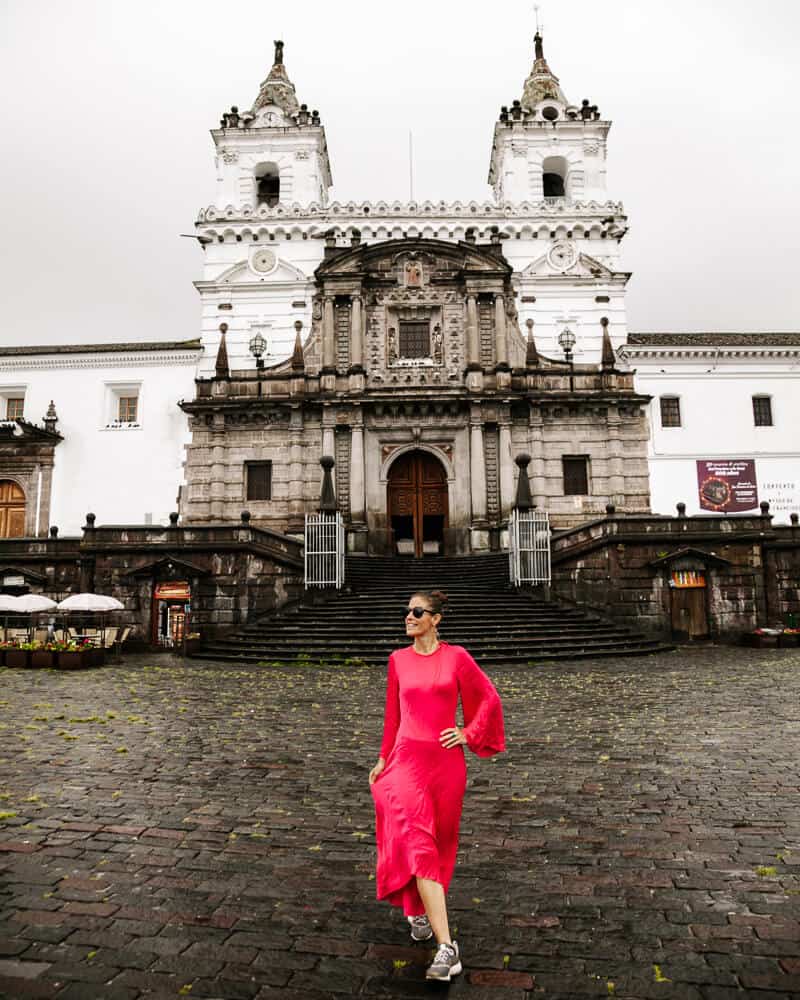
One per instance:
(488, 659)
(497, 623)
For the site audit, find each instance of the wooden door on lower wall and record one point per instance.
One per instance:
(689, 613)
(12, 510)
(417, 503)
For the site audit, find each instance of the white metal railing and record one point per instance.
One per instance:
(529, 547)
(324, 550)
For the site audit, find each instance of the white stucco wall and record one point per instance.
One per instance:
(717, 423)
(125, 475)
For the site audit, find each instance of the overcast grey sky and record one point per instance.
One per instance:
(106, 107)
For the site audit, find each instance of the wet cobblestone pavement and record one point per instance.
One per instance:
(207, 831)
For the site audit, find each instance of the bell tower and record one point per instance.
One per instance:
(545, 147)
(275, 153)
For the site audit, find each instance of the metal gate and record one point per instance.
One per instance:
(324, 550)
(529, 547)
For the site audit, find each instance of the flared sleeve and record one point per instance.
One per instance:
(483, 710)
(391, 717)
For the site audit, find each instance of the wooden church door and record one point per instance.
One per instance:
(417, 504)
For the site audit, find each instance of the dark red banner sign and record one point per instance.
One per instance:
(727, 485)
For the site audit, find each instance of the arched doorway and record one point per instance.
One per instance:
(417, 504)
(12, 510)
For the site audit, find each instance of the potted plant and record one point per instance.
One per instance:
(42, 655)
(763, 638)
(71, 655)
(18, 654)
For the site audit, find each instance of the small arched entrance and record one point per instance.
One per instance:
(417, 504)
(12, 510)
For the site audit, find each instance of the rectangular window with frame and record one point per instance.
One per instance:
(670, 411)
(15, 406)
(415, 339)
(128, 409)
(258, 480)
(576, 475)
(762, 411)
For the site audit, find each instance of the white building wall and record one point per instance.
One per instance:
(124, 475)
(717, 423)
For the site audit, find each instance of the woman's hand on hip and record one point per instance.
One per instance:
(373, 774)
(452, 737)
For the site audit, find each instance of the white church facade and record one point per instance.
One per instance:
(423, 346)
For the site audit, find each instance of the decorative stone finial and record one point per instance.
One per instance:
(222, 368)
(54, 530)
(794, 518)
(609, 359)
(90, 519)
(764, 505)
(327, 500)
(298, 362)
(50, 418)
(245, 516)
(531, 354)
(278, 89)
(524, 500)
(542, 84)
(173, 519)
(611, 510)
(681, 507)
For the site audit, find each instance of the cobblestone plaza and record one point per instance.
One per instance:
(174, 829)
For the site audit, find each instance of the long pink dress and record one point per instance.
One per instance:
(419, 793)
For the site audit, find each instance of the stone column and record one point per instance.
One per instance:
(506, 471)
(616, 464)
(477, 467)
(216, 493)
(328, 336)
(328, 430)
(501, 335)
(473, 335)
(297, 508)
(537, 450)
(357, 333)
(358, 499)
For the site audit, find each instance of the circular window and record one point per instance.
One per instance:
(550, 113)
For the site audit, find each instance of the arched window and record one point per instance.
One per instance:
(268, 184)
(554, 177)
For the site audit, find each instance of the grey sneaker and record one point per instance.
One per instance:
(421, 929)
(447, 963)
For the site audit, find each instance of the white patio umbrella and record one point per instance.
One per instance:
(30, 603)
(9, 603)
(90, 602)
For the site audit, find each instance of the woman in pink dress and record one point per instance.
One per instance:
(418, 783)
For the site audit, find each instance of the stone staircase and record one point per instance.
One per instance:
(496, 623)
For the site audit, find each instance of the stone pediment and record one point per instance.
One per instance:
(263, 267)
(434, 256)
(583, 266)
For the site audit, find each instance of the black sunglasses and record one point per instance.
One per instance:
(416, 612)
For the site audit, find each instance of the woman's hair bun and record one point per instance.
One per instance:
(435, 598)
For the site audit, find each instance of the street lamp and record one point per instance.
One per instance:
(258, 346)
(566, 341)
